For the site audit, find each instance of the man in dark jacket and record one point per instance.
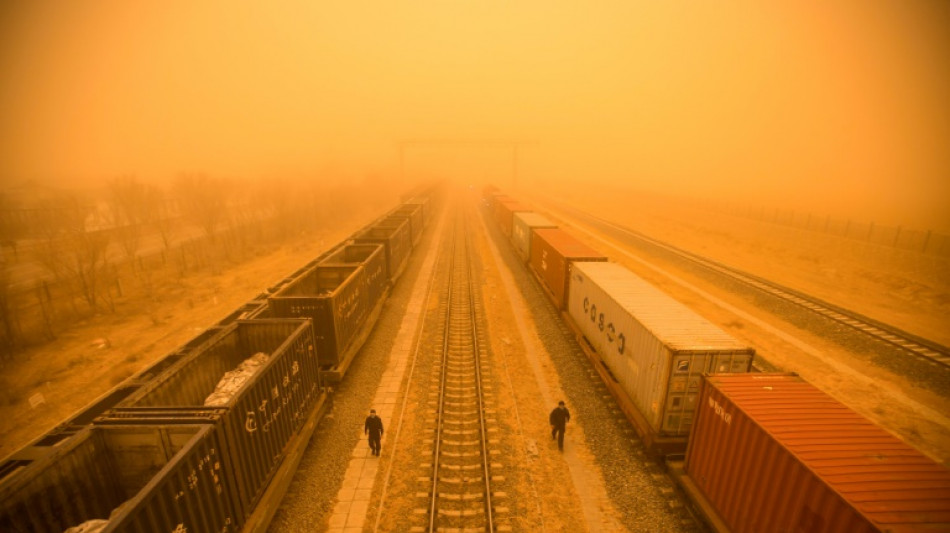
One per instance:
(559, 418)
(374, 428)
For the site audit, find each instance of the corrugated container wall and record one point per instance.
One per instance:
(397, 240)
(504, 214)
(552, 252)
(265, 412)
(414, 215)
(427, 206)
(521, 227)
(143, 479)
(372, 257)
(656, 347)
(332, 297)
(770, 452)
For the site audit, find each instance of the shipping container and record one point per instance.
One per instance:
(495, 198)
(504, 214)
(552, 252)
(771, 452)
(333, 297)
(397, 241)
(655, 347)
(141, 479)
(265, 413)
(521, 227)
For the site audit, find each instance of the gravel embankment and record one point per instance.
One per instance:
(311, 497)
(636, 483)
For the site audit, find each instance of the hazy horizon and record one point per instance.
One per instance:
(838, 108)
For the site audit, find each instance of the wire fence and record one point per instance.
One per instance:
(40, 310)
(913, 240)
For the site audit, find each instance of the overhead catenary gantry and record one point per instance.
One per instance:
(514, 145)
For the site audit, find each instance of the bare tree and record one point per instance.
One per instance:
(71, 247)
(8, 335)
(11, 230)
(164, 215)
(129, 209)
(203, 200)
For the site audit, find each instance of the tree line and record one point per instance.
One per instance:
(66, 256)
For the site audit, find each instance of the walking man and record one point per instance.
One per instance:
(374, 428)
(559, 418)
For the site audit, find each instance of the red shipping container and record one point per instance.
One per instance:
(771, 452)
(552, 251)
(505, 213)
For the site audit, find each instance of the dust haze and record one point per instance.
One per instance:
(839, 108)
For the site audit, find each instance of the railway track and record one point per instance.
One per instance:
(453, 487)
(923, 348)
(460, 489)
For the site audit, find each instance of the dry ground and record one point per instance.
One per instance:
(908, 290)
(97, 354)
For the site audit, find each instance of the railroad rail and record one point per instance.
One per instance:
(460, 489)
(888, 334)
(457, 486)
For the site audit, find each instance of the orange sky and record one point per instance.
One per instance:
(839, 107)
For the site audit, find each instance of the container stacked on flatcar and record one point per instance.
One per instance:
(656, 348)
(771, 452)
(150, 455)
(521, 231)
(763, 452)
(553, 251)
(505, 210)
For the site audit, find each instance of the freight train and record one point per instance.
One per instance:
(752, 451)
(207, 439)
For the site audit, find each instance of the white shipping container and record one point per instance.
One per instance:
(523, 223)
(656, 348)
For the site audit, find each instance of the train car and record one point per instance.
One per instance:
(414, 214)
(264, 377)
(552, 253)
(504, 212)
(176, 464)
(335, 298)
(372, 258)
(771, 452)
(396, 238)
(140, 479)
(492, 200)
(424, 203)
(655, 348)
(522, 225)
